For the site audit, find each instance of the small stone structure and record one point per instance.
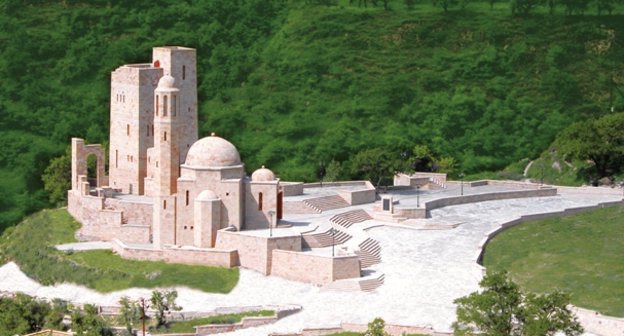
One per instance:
(171, 196)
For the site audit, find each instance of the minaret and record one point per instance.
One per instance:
(180, 63)
(166, 136)
(167, 155)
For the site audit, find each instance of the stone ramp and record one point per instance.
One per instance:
(346, 219)
(320, 204)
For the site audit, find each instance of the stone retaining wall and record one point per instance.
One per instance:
(526, 218)
(212, 257)
(315, 269)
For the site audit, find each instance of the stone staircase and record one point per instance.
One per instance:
(325, 203)
(346, 219)
(366, 284)
(297, 208)
(369, 285)
(369, 253)
(324, 239)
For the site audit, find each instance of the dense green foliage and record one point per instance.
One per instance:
(501, 308)
(296, 83)
(23, 314)
(31, 245)
(600, 141)
(581, 254)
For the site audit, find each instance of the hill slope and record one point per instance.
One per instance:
(293, 85)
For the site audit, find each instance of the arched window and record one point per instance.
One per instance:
(260, 201)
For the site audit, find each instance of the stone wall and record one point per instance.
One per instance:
(315, 269)
(255, 252)
(367, 194)
(195, 256)
(292, 188)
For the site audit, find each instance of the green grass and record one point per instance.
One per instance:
(31, 246)
(189, 326)
(352, 333)
(582, 254)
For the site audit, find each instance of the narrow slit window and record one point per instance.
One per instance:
(260, 201)
(147, 130)
(164, 106)
(116, 158)
(165, 136)
(156, 109)
(187, 197)
(183, 72)
(128, 129)
(164, 204)
(174, 102)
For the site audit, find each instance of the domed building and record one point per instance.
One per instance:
(158, 168)
(173, 197)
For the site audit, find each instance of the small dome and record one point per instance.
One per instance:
(212, 151)
(207, 195)
(166, 82)
(263, 174)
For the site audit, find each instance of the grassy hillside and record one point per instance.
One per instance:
(31, 245)
(294, 84)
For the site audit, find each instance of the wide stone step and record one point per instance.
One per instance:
(349, 218)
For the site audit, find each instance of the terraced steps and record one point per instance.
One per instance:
(324, 239)
(369, 253)
(325, 203)
(346, 219)
(367, 284)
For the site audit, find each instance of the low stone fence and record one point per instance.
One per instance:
(197, 256)
(292, 188)
(392, 329)
(414, 212)
(526, 218)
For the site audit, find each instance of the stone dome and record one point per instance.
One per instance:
(212, 151)
(263, 174)
(207, 195)
(166, 82)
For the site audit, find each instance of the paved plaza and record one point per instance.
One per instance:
(425, 270)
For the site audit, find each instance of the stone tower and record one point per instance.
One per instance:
(132, 129)
(131, 122)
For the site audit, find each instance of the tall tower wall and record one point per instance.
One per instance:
(131, 125)
(181, 64)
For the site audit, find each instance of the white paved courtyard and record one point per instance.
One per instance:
(425, 270)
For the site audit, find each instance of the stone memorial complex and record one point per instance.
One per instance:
(171, 196)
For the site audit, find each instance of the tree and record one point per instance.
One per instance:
(57, 178)
(502, 309)
(524, 7)
(378, 165)
(601, 141)
(409, 4)
(163, 302)
(445, 4)
(129, 314)
(87, 322)
(376, 328)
